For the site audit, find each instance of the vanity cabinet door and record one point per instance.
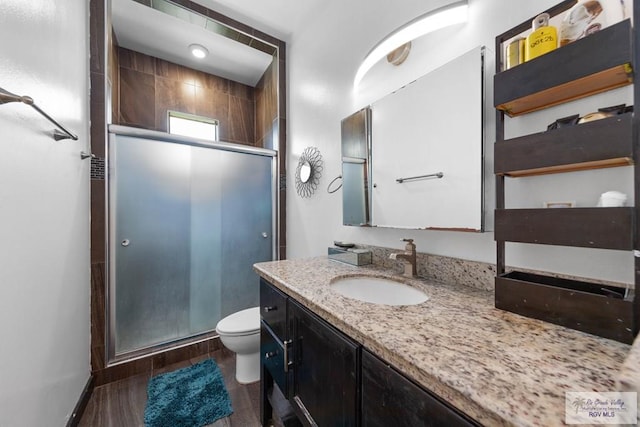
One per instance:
(390, 399)
(275, 381)
(273, 358)
(273, 309)
(325, 371)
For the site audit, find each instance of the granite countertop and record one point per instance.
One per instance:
(498, 367)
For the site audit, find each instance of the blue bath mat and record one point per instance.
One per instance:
(189, 397)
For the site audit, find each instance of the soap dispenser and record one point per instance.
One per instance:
(543, 38)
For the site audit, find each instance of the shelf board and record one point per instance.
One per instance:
(604, 228)
(599, 144)
(597, 63)
(575, 304)
(575, 167)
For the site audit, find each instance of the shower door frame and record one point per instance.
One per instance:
(111, 358)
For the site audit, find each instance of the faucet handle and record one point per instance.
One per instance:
(410, 246)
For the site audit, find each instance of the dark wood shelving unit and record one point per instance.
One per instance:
(599, 62)
(599, 144)
(591, 65)
(603, 228)
(602, 308)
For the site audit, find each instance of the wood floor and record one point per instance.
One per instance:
(121, 404)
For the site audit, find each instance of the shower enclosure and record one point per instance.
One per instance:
(187, 220)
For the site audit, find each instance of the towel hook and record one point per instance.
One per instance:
(331, 183)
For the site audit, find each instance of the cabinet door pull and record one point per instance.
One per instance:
(286, 355)
(270, 308)
(269, 354)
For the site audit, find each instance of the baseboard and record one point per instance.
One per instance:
(75, 417)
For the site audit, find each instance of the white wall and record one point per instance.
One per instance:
(44, 213)
(323, 57)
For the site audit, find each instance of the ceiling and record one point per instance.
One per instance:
(149, 31)
(279, 18)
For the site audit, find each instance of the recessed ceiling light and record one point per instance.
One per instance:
(198, 51)
(431, 21)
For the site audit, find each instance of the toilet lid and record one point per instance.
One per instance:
(243, 322)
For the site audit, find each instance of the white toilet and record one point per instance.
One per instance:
(240, 333)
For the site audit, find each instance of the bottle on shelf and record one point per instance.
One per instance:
(588, 17)
(515, 53)
(543, 38)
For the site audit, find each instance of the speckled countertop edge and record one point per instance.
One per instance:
(629, 376)
(498, 367)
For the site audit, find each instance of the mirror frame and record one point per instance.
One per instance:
(312, 163)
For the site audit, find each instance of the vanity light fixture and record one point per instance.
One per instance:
(455, 13)
(399, 55)
(198, 51)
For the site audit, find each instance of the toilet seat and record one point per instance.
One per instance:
(244, 322)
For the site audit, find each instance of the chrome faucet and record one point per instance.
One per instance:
(408, 258)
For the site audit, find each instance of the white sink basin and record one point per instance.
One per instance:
(378, 290)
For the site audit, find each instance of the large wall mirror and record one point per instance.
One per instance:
(425, 156)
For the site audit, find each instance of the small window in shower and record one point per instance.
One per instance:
(194, 126)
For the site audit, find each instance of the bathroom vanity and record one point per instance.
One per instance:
(333, 380)
(451, 360)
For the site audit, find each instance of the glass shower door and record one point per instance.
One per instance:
(187, 224)
(152, 207)
(247, 222)
(232, 229)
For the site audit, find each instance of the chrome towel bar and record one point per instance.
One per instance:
(63, 133)
(411, 178)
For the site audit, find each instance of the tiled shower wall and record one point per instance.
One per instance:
(267, 109)
(150, 87)
(267, 129)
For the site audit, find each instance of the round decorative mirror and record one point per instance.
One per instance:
(305, 172)
(308, 171)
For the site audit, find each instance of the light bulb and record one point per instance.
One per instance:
(198, 51)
